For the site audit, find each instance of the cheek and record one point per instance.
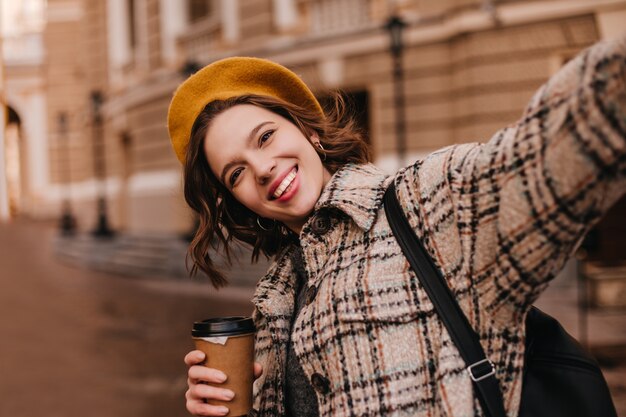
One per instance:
(248, 196)
(317, 164)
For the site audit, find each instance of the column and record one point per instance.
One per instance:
(38, 161)
(611, 22)
(230, 20)
(285, 14)
(173, 17)
(118, 34)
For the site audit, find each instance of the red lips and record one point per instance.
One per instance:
(277, 182)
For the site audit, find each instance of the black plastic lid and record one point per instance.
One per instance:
(223, 326)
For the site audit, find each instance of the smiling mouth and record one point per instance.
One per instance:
(285, 184)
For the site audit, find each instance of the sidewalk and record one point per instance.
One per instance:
(77, 342)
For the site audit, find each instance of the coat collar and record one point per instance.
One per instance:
(274, 294)
(358, 191)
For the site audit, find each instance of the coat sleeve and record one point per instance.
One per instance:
(501, 218)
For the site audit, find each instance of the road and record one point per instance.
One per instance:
(78, 343)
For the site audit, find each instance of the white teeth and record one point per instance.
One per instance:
(285, 183)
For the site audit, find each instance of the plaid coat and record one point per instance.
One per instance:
(500, 219)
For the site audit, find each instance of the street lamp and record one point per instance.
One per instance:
(102, 229)
(67, 224)
(395, 26)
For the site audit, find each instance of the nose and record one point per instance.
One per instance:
(264, 169)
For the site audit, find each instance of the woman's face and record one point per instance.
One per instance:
(266, 163)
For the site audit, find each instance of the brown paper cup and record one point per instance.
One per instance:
(232, 354)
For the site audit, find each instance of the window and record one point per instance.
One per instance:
(335, 16)
(199, 10)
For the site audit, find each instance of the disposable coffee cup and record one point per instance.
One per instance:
(228, 343)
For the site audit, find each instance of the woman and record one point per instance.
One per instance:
(343, 326)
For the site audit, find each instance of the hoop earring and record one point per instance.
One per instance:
(322, 150)
(267, 229)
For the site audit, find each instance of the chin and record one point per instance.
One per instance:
(302, 211)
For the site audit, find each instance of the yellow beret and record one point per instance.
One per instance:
(227, 78)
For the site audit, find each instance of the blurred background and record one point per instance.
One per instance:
(95, 302)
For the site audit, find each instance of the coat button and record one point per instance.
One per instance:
(320, 224)
(320, 383)
(311, 292)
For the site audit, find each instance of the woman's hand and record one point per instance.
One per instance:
(199, 391)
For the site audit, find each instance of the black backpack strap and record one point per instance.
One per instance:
(481, 370)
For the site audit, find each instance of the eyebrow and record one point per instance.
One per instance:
(251, 136)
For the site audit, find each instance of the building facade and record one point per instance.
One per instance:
(469, 67)
(24, 163)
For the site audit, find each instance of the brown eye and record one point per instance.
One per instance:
(265, 137)
(234, 176)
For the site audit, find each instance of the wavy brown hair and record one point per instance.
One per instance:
(222, 219)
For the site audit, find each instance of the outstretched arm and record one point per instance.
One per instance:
(516, 207)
